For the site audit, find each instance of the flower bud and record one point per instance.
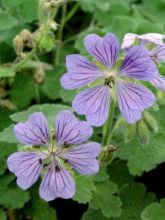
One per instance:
(27, 38)
(129, 132)
(107, 153)
(150, 122)
(39, 75)
(143, 132)
(18, 44)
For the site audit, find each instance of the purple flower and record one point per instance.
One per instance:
(109, 75)
(157, 54)
(50, 154)
(129, 39)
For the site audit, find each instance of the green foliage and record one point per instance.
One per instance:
(104, 199)
(134, 199)
(30, 81)
(154, 211)
(84, 188)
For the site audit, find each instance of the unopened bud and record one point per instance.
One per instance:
(18, 44)
(129, 132)
(39, 75)
(150, 122)
(27, 37)
(143, 132)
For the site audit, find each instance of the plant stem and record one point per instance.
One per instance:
(72, 12)
(107, 129)
(60, 32)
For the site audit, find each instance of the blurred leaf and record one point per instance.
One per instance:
(145, 27)
(154, 211)
(104, 199)
(84, 188)
(5, 180)
(6, 72)
(7, 135)
(25, 86)
(10, 4)
(2, 215)
(28, 11)
(92, 214)
(6, 149)
(6, 21)
(119, 173)
(135, 199)
(13, 198)
(50, 111)
(145, 157)
(40, 210)
(101, 176)
(51, 86)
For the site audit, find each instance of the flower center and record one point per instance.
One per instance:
(109, 81)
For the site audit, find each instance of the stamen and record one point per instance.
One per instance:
(109, 81)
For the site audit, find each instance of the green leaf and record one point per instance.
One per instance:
(25, 86)
(10, 4)
(5, 149)
(135, 199)
(84, 188)
(40, 210)
(6, 72)
(93, 214)
(50, 111)
(101, 176)
(145, 27)
(51, 86)
(7, 135)
(119, 173)
(5, 180)
(144, 157)
(2, 215)
(104, 199)
(154, 211)
(13, 198)
(28, 11)
(6, 21)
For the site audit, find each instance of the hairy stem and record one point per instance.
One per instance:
(60, 32)
(107, 129)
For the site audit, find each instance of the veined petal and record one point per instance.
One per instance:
(152, 38)
(34, 131)
(71, 131)
(138, 64)
(104, 49)
(80, 72)
(83, 158)
(26, 166)
(158, 54)
(133, 99)
(57, 182)
(128, 40)
(94, 104)
(159, 82)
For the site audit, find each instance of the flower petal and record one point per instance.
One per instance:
(71, 131)
(159, 82)
(57, 182)
(152, 38)
(158, 54)
(138, 64)
(26, 166)
(94, 103)
(104, 49)
(128, 40)
(34, 131)
(80, 72)
(83, 158)
(133, 99)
